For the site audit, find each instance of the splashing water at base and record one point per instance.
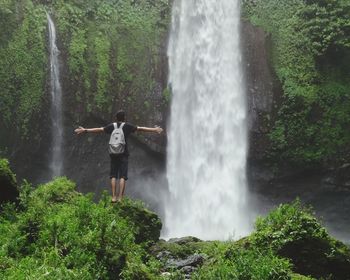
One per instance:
(207, 147)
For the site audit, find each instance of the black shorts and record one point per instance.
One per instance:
(119, 166)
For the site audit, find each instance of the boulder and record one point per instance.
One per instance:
(146, 223)
(293, 232)
(192, 261)
(184, 240)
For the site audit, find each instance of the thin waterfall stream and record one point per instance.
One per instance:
(207, 139)
(56, 158)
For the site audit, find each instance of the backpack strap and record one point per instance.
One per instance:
(116, 125)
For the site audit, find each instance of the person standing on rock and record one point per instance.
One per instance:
(118, 149)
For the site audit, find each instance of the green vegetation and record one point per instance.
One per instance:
(293, 232)
(58, 233)
(110, 55)
(23, 63)
(5, 172)
(238, 263)
(8, 183)
(310, 55)
(112, 48)
(230, 260)
(289, 243)
(54, 232)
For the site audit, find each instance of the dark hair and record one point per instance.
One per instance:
(120, 115)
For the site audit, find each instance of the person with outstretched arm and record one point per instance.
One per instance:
(118, 149)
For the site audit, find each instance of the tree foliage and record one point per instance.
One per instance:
(310, 56)
(54, 232)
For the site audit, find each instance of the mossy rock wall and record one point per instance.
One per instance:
(112, 56)
(309, 52)
(8, 183)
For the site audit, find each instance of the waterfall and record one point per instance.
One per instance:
(207, 134)
(56, 161)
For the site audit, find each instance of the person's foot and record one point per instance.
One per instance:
(119, 199)
(114, 199)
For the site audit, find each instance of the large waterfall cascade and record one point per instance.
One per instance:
(56, 161)
(207, 146)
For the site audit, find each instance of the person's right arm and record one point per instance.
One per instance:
(155, 129)
(81, 130)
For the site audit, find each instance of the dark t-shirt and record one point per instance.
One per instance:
(128, 128)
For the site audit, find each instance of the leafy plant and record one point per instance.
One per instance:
(239, 263)
(61, 233)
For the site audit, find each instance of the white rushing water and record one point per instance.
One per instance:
(207, 148)
(56, 162)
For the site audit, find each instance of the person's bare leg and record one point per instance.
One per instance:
(122, 184)
(114, 187)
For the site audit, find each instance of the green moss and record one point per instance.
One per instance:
(296, 276)
(113, 49)
(5, 171)
(167, 94)
(146, 224)
(184, 249)
(8, 183)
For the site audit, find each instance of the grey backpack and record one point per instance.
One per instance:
(117, 140)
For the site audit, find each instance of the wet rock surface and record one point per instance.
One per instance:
(188, 263)
(184, 240)
(262, 86)
(178, 254)
(326, 191)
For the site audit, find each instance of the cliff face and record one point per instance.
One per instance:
(112, 57)
(147, 159)
(262, 86)
(86, 153)
(103, 70)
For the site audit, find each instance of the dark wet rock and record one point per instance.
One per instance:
(322, 190)
(263, 88)
(191, 261)
(176, 248)
(188, 269)
(339, 177)
(184, 240)
(8, 183)
(163, 255)
(180, 254)
(318, 257)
